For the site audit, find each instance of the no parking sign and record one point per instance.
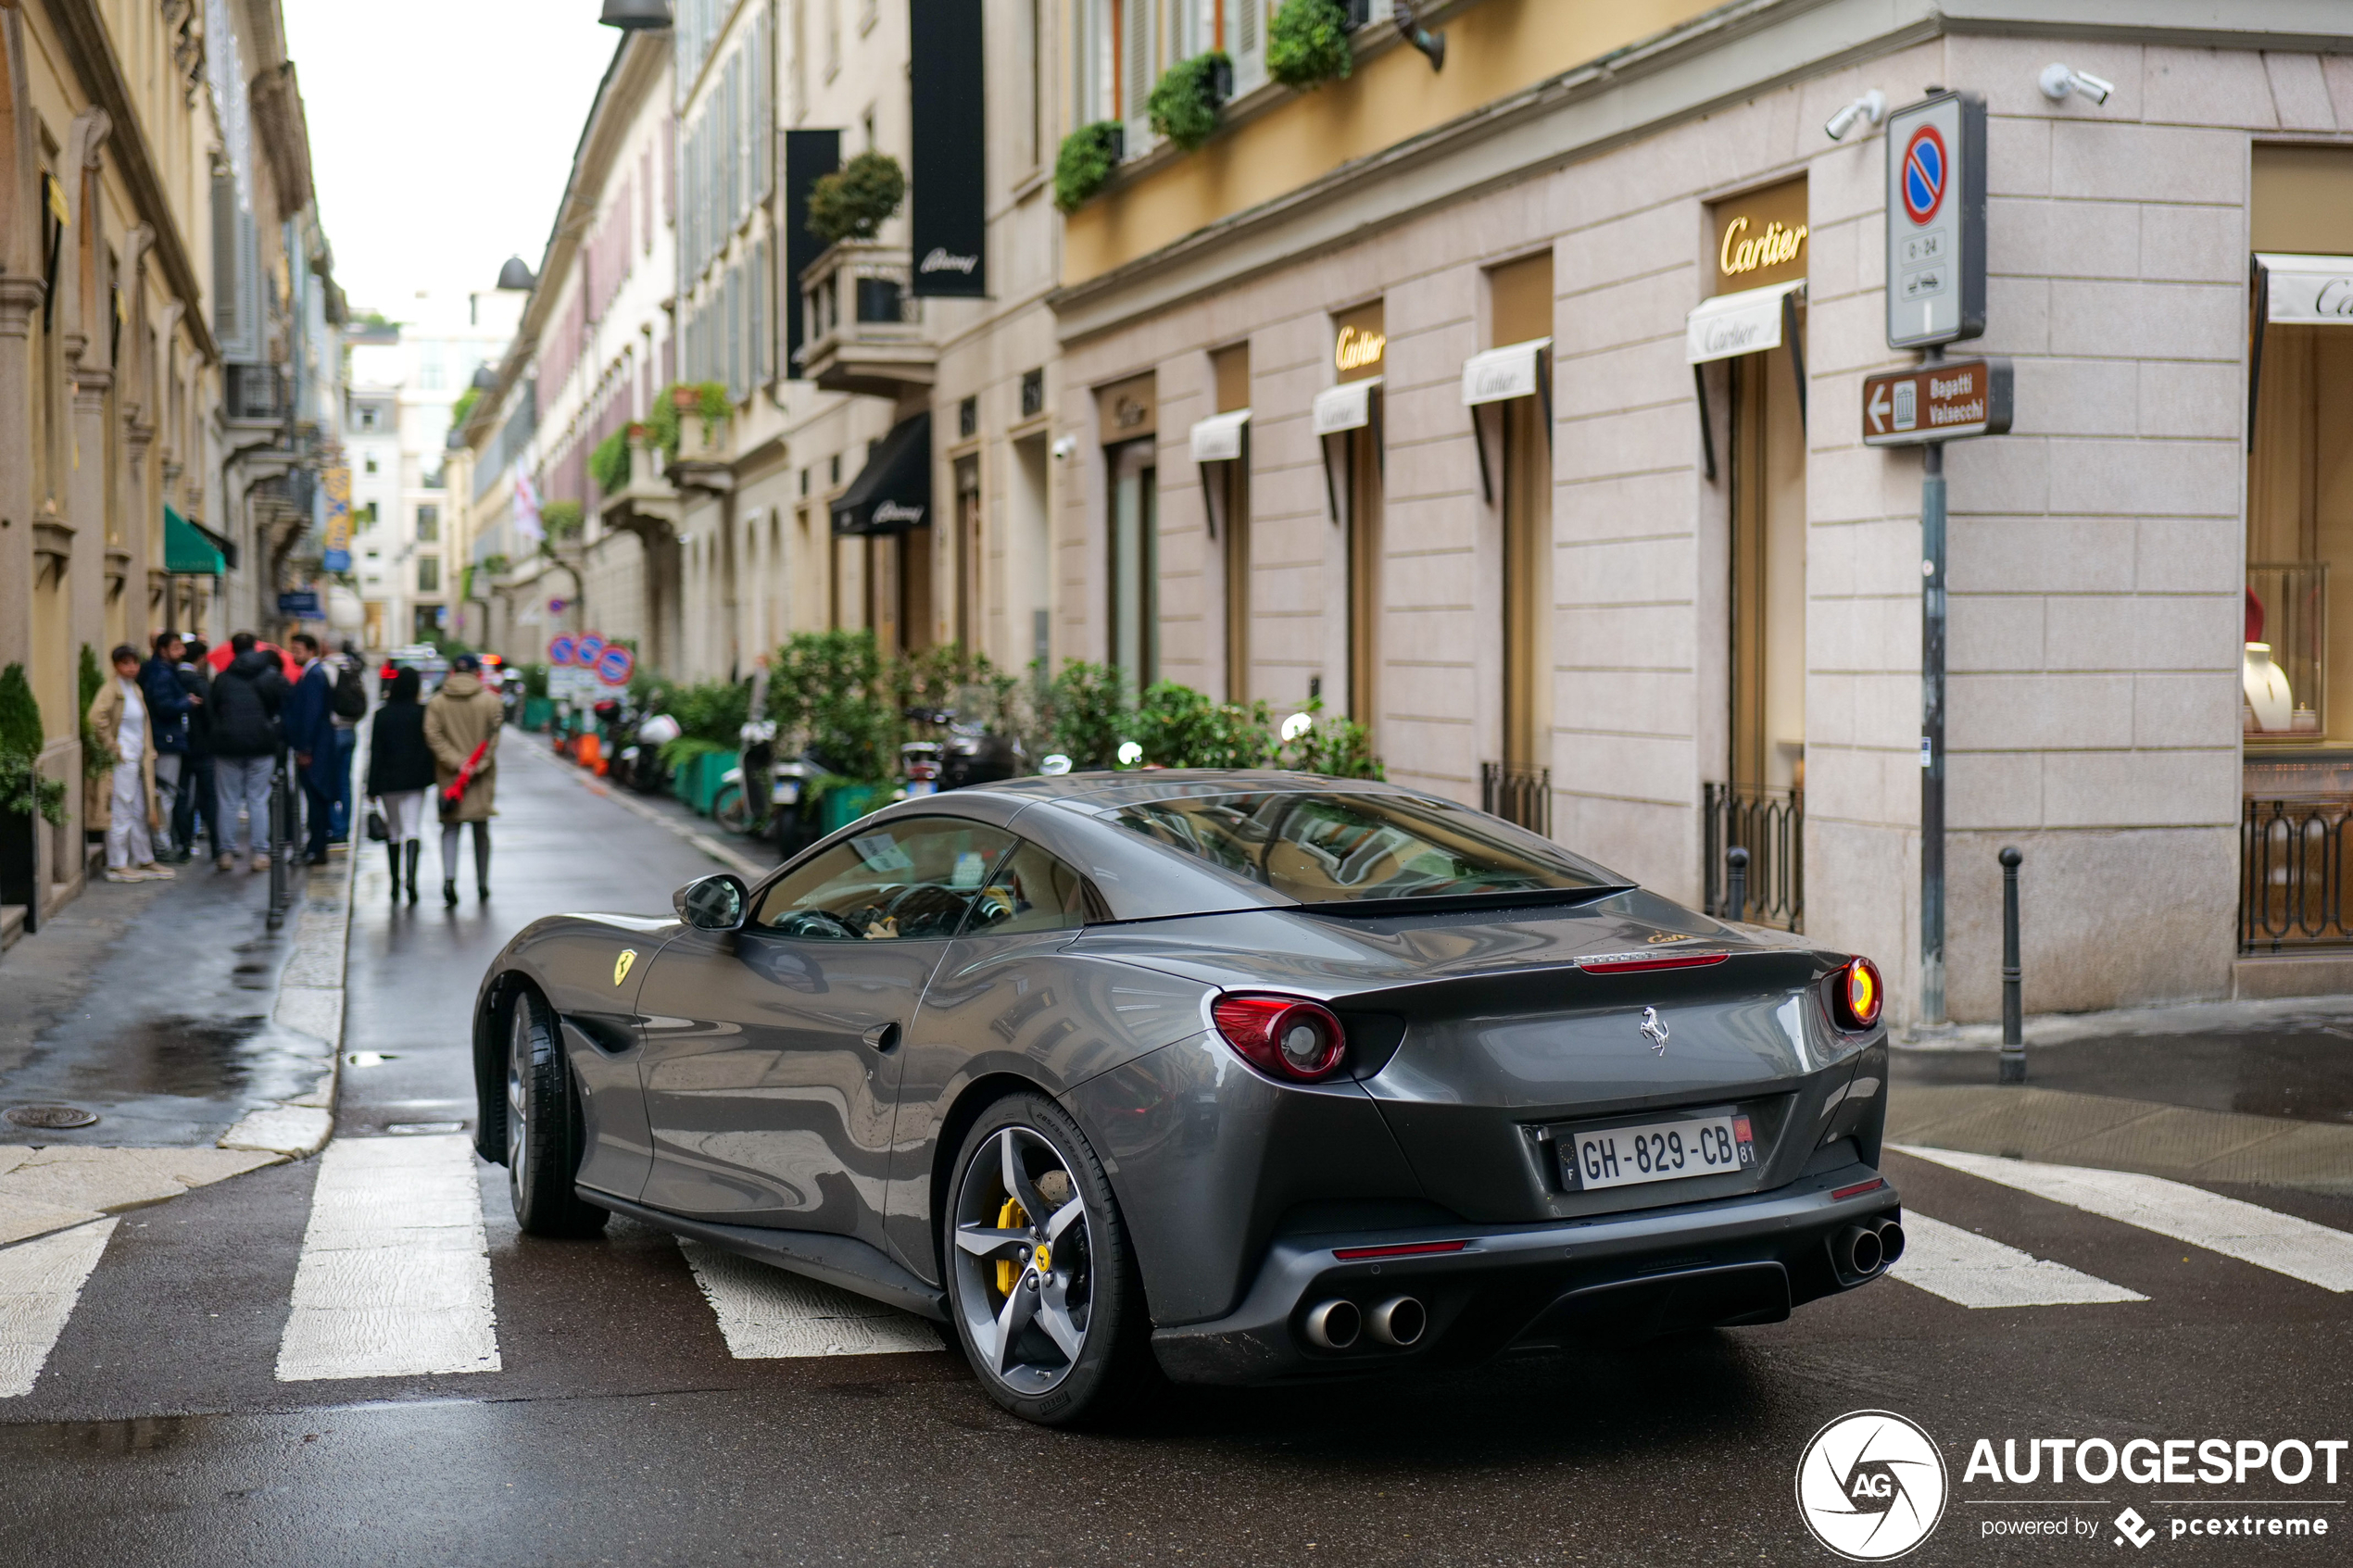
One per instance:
(615, 665)
(1936, 220)
(560, 651)
(587, 649)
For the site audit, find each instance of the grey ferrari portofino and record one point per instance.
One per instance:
(1235, 1077)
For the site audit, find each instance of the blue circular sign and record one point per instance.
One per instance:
(1924, 171)
(585, 651)
(560, 651)
(614, 667)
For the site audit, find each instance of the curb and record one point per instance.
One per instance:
(311, 1001)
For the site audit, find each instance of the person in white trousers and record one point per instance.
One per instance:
(119, 722)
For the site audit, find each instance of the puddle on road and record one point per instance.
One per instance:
(107, 1439)
(200, 1058)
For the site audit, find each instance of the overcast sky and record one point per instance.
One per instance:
(441, 132)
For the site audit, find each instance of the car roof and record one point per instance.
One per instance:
(1108, 789)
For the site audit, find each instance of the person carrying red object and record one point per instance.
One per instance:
(462, 726)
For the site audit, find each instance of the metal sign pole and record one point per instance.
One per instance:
(1932, 732)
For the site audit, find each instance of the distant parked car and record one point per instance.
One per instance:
(424, 658)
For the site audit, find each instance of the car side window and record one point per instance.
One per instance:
(909, 878)
(1030, 890)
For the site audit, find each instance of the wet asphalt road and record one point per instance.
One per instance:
(620, 1430)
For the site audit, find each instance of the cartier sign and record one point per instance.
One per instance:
(1760, 238)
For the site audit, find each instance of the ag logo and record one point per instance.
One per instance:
(1871, 1486)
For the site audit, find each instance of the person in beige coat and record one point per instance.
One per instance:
(464, 716)
(123, 802)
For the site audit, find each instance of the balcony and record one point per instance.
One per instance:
(862, 328)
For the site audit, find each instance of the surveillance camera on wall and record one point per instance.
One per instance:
(1871, 105)
(2057, 81)
(1064, 447)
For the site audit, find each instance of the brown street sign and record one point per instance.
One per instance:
(1945, 401)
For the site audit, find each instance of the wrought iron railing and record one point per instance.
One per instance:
(1769, 824)
(2291, 874)
(1518, 793)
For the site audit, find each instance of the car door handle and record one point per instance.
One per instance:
(882, 1036)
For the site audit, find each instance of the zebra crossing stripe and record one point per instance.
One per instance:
(764, 1312)
(1976, 1271)
(395, 1275)
(39, 1282)
(2282, 1243)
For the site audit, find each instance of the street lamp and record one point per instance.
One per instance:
(635, 13)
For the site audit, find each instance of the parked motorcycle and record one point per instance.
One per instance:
(639, 763)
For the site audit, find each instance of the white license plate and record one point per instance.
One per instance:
(1657, 1151)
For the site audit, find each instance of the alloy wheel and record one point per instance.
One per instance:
(1022, 1260)
(518, 1080)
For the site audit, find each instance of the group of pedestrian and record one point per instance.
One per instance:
(196, 735)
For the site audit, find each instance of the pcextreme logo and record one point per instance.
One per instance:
(1871, 1486)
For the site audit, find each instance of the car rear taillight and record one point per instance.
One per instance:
(1285, 1036)
(1856, 994)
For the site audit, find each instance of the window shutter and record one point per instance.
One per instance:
(1136, 72)
(1246, 38)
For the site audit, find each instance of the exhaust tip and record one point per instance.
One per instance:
(1890, 1243)
(1859, 1250)
(1334, 1325)
(1398, 1321)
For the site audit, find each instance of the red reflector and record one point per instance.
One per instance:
(1406, 1250)
(1636, 963)
(1872, 1186)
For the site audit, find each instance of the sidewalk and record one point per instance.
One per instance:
(204, 1043)
(2232, 1092)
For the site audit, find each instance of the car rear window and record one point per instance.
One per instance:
(1345, 848)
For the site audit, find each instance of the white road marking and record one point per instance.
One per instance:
(765, 1312)
(395, 1275)
(40, 1281)
(2282, 1243)
(1977, 1271)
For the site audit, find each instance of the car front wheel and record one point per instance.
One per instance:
(1041, 1277)
(544, 1130)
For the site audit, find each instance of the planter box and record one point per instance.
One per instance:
(537, 712)
(844, 805)
(697, 783)
(20, 864)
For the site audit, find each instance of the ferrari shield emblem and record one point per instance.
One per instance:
(621, 965)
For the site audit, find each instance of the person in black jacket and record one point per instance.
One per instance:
(400, 775)
(197, 800)
(245, 700)
(168, 709)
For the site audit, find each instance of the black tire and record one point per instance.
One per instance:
(1113, 1371)
(730, 812)
(545, 1132)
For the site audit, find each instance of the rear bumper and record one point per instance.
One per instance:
(1623, 1277)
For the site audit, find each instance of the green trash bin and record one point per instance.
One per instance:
(844, 805)
(536, 712)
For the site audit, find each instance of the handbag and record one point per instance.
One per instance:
(377, 832)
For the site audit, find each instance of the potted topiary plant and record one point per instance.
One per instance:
(856, 200)
(1088, 157)
(1307, 45)
(26, 798)
(1184, 103)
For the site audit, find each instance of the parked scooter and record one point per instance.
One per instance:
(639, 763)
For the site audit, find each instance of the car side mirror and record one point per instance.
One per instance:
(712, 903)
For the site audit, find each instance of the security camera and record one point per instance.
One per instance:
(1064, 447)
(2057, 81)
(1871, 105)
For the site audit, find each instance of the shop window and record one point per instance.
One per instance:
(1520, 302)
(1231, 370)
(968, 548)
(1348, 422)
(1134, 561)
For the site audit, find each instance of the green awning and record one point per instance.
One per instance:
(187, 551)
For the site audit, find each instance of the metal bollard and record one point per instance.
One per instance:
(2013, 1022)
(1736, 884)
(280, 808)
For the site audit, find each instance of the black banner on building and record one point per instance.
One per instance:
(810, 155)
(950, 173)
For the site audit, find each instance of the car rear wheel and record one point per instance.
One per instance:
(1042, 1281)
(545, 1134)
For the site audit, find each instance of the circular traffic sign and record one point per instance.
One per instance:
(614, 667)
(587, 649)
(560, 651)
(1925, 168)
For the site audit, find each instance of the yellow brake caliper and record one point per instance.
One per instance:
(1011, 1217)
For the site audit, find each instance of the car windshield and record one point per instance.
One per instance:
(1343, 849)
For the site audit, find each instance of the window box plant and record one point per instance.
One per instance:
(1184, 102)
(1088, 155)
(1307, 43)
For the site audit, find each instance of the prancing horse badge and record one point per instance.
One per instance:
(629, 956)
(1652, 1030)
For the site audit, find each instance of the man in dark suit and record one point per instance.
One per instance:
(310, 736)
